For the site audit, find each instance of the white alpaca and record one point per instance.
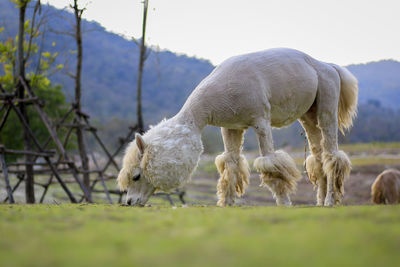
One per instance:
(272, 88)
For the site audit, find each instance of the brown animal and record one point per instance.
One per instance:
(386, 188)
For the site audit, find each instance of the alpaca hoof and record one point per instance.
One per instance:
(338, 198)
(227, 202)
(234, 178)
(278, 172)
(285, 204)
(321, 200)
(282, 200)
(329, 202)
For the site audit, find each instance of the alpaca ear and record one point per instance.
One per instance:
(140, 143)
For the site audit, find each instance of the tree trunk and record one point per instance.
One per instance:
(79, 130)
(140, 71)
(29, 179)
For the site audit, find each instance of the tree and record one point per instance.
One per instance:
(29, 182)
(22, 58)
(142, 59)
(79, 130)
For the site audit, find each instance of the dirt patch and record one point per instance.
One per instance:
(202, 189)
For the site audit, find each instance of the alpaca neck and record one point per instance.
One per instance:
(176, 144)
(192, 116)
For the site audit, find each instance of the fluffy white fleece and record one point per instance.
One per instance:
(173, 152)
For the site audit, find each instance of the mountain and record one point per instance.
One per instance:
(379, 81)
(110, 64)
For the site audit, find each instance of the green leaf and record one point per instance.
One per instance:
(26, 24)
(46, 54)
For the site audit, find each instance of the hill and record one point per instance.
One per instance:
(379, 81)
(110, 64)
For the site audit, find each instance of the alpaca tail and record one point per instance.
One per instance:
(348, 98)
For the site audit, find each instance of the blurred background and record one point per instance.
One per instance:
(185, 41)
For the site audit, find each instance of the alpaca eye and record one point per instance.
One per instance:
(136, 178)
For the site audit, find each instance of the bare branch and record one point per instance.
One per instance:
(40, 55)
(71, 75)
(135, 40)
(147, 53)
(60, 15)
(36, 26)
(62, 32)
(158, 63)
(140, 69)
(31, 35)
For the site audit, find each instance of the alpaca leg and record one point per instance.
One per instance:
(314, 161)
(277, 169)
(232, 167)
(317, 177)
(336, 165)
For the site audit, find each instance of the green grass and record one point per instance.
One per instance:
(362, 161)
(110, 235)
(362, 147)
(374, 161)
(207, 167)
(374, 146)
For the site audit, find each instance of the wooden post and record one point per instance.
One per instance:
(53, 169)
(56, 140)
(101, 176)
(79, 131)
(123, 141)
(132, 130)
(29, 180)
(14, 188)
(5, 116)
(8, 186)
(140, 70)
(110, 157)
(67, 136)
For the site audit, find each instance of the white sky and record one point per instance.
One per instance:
(339, 31)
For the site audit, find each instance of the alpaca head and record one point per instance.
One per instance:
(132, 178)
(162, 159)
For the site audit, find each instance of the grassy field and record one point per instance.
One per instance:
(254, 234)
(111, 235)
(368, 161)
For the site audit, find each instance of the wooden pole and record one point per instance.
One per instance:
(29, 181)
(132, 130)
(14, 188)
(101, 176)
(5, 116)
(53, 169)
(79, 131)
(56, 140)
(140, 70)
(8, 186)
(110, 157)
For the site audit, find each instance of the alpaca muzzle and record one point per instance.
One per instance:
(135, 202)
